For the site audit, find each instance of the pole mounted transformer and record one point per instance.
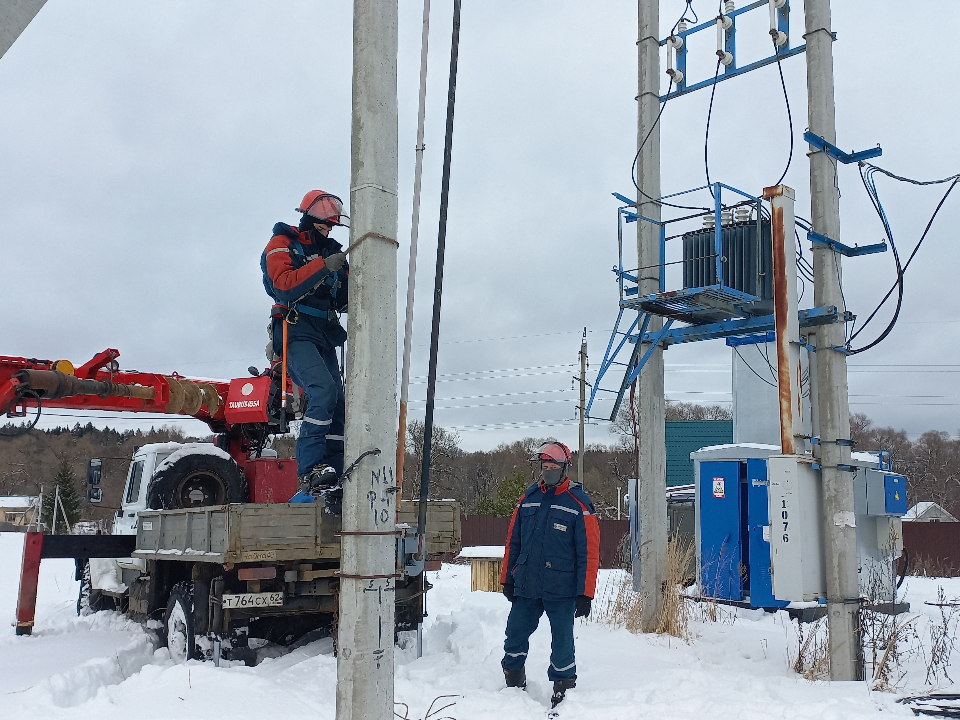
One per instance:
(368, 570)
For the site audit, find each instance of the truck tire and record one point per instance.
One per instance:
(90, 599)
(197, 480)
(178, 623)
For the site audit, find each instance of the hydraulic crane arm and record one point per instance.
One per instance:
(100, 385)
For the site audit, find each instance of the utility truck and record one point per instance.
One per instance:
(205, 547)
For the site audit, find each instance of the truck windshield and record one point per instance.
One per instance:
(133, 484)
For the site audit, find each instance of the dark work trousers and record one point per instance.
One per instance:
(314, 367)
(524, 618)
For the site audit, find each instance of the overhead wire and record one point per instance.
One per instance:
(867, 171)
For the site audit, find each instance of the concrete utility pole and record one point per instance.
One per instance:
(368, 542)
(652, 467)
(15, 15)
(583, 402)
(840, 541)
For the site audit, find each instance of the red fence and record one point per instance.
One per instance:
(934, 547)
(491, 530)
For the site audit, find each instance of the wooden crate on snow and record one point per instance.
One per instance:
(486, 563)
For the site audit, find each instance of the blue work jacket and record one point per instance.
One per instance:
(553, 544)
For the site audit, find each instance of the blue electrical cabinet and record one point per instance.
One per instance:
(733, 519)
(721, 557)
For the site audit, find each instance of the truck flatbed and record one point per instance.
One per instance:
(246, 532)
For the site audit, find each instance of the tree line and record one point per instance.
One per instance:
(483, 481)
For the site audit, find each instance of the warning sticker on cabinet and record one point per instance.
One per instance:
(718, 487)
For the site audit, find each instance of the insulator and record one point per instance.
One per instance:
(726, 217)
(780, 38)
(729, 6)
(675, 42)
(725, 57)
(742, 214)
(676, 76)
(709, 221)
(726, 21)
(682, 26)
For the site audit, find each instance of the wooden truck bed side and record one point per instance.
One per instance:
(240, 533)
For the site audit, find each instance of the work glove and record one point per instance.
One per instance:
(335, 262)
(508, 592)
(583, 606)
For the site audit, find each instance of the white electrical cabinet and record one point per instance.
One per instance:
(796, 528)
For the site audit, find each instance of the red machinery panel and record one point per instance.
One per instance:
(247, 400)
(271, 480)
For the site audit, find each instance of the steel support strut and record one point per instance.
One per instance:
(29, 578)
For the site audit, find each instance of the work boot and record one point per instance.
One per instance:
(515, 678)
(560, 688)
(320, 477)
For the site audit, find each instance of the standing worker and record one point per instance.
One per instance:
(549, 565)
(305, 272)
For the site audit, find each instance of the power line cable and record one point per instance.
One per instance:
(872, 192)
(786, 100)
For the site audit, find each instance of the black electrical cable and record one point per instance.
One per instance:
(867, 178)
(706, 137)
(23, 430)
(737, 351)
(786, 100)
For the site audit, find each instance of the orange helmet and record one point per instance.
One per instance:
(323, 207)
(555, 452)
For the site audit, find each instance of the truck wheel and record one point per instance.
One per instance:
(198, 480)
(90, 599)
(178, 623)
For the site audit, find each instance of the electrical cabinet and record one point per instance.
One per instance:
(759, 524)
(796, 528)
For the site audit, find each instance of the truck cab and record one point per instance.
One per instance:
(142, 467)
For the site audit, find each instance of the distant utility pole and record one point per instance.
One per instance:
(583, 402)
(840, 541)
(368, 543)
(652, 465)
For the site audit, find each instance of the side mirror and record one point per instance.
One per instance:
(94, 471)
(95, 495)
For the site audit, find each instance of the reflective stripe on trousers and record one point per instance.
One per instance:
(524, 619)
(314, 368)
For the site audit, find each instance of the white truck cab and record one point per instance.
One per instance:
(142, 467)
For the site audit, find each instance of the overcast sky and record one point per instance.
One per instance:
(147, 149)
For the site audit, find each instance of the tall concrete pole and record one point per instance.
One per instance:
(839, 525)
(15, 15)
(368, 552)
(652, 470)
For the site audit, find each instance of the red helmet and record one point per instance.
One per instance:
(555, 452)
(323, 207)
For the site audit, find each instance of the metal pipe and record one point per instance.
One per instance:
(841, 559)
(414, 235)
(438, 281)
(786, 320)
(365, 669)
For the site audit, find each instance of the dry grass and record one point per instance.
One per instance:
(813, 652)
(624, 607)
(674, 617)
(943, 638)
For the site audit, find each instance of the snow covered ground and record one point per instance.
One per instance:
(738, 667)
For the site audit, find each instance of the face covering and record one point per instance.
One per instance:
(552, 477)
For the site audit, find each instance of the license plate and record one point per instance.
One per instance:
(253, 600)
